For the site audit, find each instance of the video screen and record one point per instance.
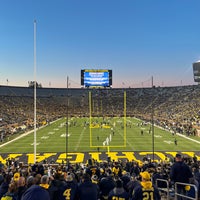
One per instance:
(96, 78)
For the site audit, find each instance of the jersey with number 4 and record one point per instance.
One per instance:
(68, 191)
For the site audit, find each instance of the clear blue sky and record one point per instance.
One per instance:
(137, 39)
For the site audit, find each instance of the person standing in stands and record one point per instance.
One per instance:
(118, 192)
(36, 192)
(180, 172)
(5, 184)
(11, 194)
(87, 190)
(146, 190)
(21, 184)
(106, 184)
(68, 189)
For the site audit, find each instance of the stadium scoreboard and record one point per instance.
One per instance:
(96, 78)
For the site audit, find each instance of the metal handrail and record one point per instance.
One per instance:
(165, 189)
(182, 195)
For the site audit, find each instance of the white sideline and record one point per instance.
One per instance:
(188, 138)
(181, 135)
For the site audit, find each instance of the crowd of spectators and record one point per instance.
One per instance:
(97, 181)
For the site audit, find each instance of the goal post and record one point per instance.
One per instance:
(92, 128)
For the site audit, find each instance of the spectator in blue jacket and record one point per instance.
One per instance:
(36, 192)
(180, 172)
(87, 189)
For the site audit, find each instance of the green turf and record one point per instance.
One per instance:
(52, 138)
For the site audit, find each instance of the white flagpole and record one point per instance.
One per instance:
(35, 91)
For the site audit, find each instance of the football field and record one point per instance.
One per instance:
(100, 134)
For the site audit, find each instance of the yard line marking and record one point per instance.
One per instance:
(44, 137)
(187, 138)
(36, 143)
(51, 133)
(168, 141)
(79, 140)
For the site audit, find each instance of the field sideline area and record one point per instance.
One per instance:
(98, 136)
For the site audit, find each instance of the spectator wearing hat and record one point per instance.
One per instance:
(118, 192)
(146, 189)
(16, 176)
(180, 172)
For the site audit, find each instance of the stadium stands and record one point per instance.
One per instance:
(174, 108)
